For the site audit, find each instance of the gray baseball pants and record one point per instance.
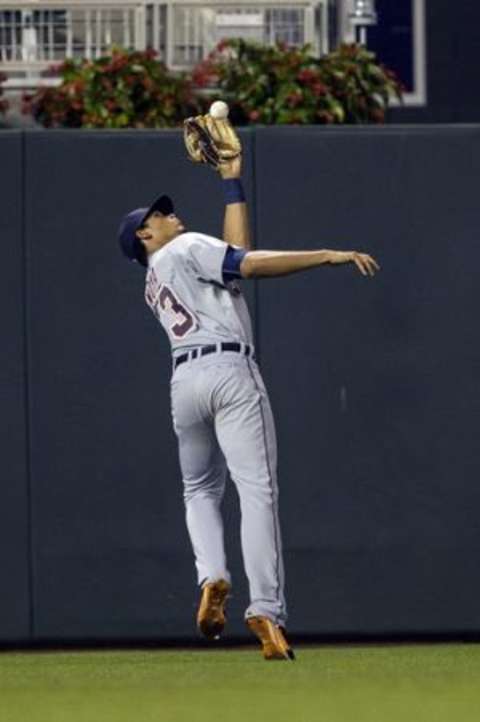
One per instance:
(222, 418)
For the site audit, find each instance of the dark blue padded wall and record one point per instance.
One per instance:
(375, 382)
(15, 605)
(111, 554)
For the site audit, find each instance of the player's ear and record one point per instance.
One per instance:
(143, 234)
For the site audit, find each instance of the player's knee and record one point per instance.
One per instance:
(201, 489)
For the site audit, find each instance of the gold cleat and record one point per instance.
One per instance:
(272, 637)
(211, 612)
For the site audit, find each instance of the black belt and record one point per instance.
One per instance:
(211, 348)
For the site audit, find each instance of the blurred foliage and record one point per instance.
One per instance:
(262, 84)
(4, 105)
(286, 85)
(123, 90)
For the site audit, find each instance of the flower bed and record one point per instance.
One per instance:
(4, 105)
(123, 90)
(262, 84)
(280, 85)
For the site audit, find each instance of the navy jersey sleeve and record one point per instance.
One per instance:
(211, 258)
(231, 263)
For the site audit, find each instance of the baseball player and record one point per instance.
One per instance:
(220, 408)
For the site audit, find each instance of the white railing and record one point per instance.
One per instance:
(195, 28)
(36, 33)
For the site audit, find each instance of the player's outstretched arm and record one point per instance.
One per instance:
(236, 230)
(264, 264)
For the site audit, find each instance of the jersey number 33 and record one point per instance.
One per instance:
(171, 312)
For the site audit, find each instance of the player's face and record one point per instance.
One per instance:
(167, 226)
(162, 229)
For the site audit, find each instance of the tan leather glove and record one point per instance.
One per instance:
(210, 140)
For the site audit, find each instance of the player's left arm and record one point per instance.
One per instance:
(236, 229)
(264, 264)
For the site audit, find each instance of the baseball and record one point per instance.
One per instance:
(219, 110)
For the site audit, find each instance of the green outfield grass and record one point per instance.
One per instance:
(414, 683)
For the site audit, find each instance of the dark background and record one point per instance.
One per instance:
(392, 38)
(374, 384)
(453, 51)
(14, 489)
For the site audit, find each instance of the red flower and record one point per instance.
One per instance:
(26, 104)
(307, 75)
(294, 61)
(148, 83)
(56, 69)
(203, 74)
(222, 45)
(377, 115)
(325, 116)
(150, 53)
(78, 86)
(294, 99)
(319, 89)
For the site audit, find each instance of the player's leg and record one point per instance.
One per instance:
(246, 433)
(203, 471)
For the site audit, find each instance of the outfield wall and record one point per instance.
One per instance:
(374, 384)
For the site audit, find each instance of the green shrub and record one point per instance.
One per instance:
(4, 105)
(123, 90)
(280, 84)
(261, 83)
(363, 86)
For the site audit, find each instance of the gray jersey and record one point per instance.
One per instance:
(221, 415)
(185, 289)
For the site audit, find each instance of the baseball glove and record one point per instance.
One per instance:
(210, 140)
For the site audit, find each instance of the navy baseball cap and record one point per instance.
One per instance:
(130, 244)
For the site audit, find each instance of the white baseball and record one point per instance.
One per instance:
(219, 110)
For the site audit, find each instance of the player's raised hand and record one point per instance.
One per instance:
(365, 263)
(231, 168)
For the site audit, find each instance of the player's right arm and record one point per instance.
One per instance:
(265, 264)
(236, 229)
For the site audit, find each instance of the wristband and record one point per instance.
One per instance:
(233, 190)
